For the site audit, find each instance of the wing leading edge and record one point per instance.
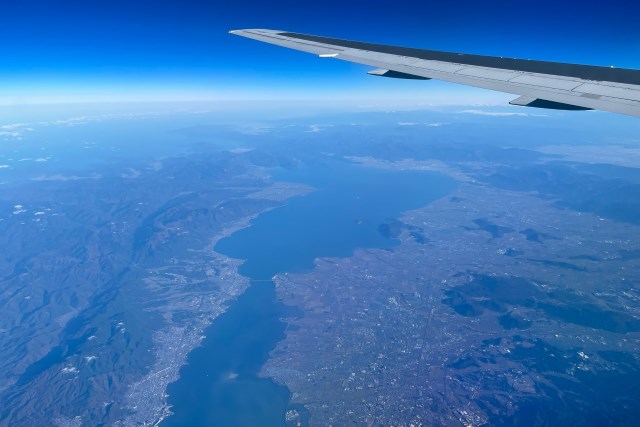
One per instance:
(539, 84)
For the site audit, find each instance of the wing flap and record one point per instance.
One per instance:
(549, 82)
(380, 72)
(488, 73)
(605, 90)
(526, 101)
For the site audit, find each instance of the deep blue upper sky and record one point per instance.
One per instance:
(181, 49)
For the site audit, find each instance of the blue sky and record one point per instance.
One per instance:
(163, 50)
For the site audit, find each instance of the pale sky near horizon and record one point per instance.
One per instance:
(168, 50)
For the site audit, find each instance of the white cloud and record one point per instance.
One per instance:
(65, 177)
(37, 159)
(73, 121)
(16, 135)
(431, 125)
(14, 130)
(492, 113)
(4, 166)
(81, 120)
(317, 128)
(12, 126)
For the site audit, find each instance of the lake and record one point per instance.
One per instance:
(220, 385)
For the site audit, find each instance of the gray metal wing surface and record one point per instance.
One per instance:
(540, 84)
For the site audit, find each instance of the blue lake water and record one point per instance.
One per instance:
(220, 385)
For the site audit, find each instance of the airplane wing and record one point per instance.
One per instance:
(541, 84)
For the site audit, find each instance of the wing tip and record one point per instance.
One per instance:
(254, 30)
